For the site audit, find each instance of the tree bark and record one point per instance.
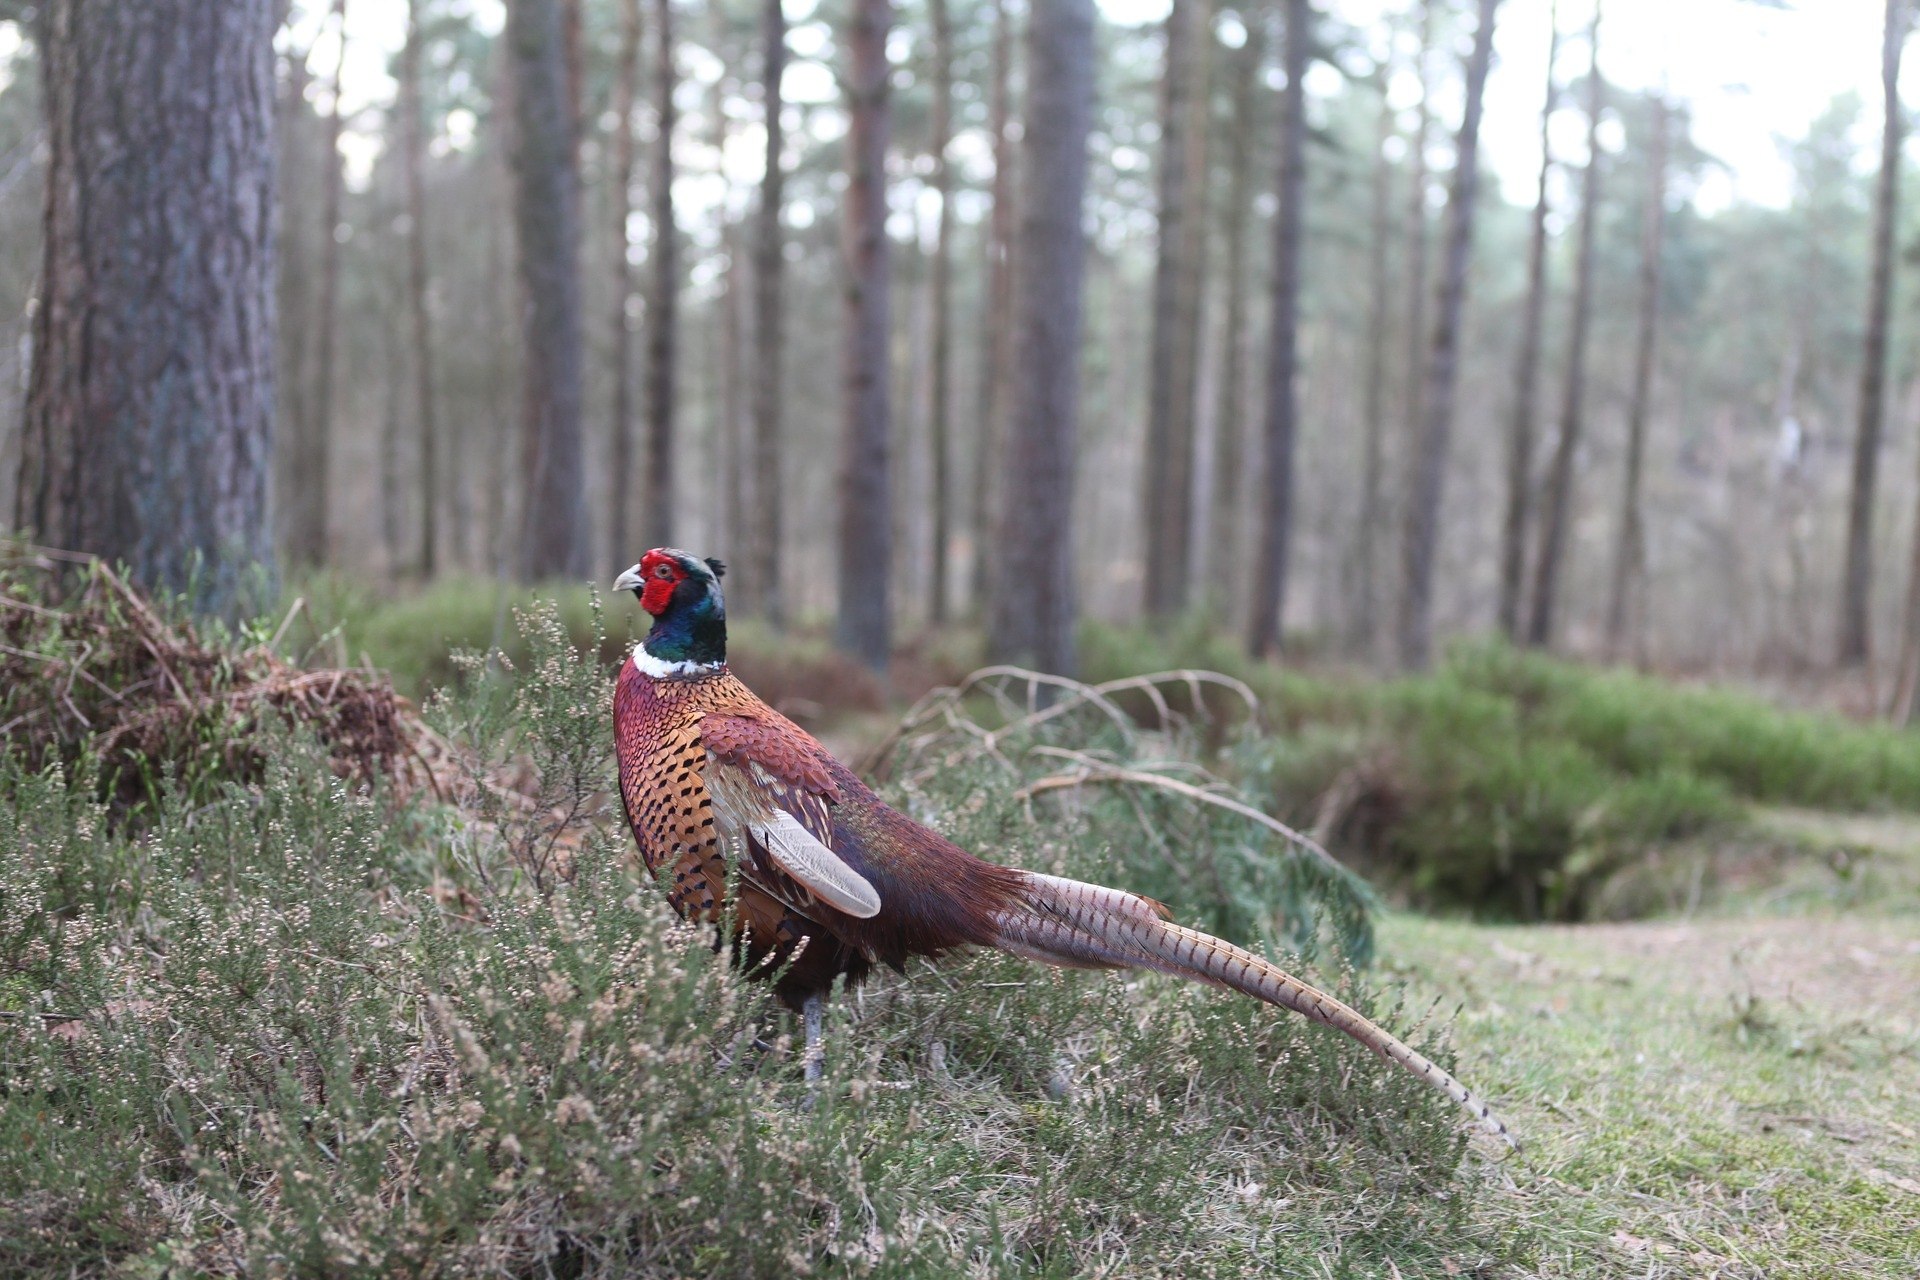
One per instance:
(663, 300)
(1276, 508)
(1032, 610)
(1167, 489)
(1856, 586)
(1520, 432)
(620, 326)
(547, 210)
(148, 429)
(1374, 403)
(996, 342)
(938, 417)
(1229, 508)
(413, 145)
(768, 488)
(1428, 490)
(1629, 557)
(1558, 512)
(866, 515)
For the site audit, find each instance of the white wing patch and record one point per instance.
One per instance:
(814, 865)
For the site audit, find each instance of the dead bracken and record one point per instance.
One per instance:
(89, 667)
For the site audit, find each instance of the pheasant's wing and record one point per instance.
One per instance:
(770, 785)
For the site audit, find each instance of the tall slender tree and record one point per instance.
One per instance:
(620, 327)
(1366, 574)
(1427, 490)
(305, 505)
(1276, 504)
(939, 432)
(996, 311)
(1196, 129)
(1414, 365)
(147, 435)
(1629, 556)
(1167, 478)
(727, 514)
(663, 299)
(414, 159)
(764, 529)
(553, 527)
(866, 513)
(1558, 512)
(1032, 610)
(1520, 432)
(1227, 561)
(1857, 582)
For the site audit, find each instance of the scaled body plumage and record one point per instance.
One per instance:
(831, 880)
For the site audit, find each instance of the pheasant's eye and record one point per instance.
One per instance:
(663, 572)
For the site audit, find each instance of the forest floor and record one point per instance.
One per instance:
(1735, 1095)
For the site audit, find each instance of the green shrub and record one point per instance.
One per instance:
(1517, 784)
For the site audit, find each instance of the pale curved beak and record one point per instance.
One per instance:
(630, 580)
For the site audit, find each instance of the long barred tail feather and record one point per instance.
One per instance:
(1087, 926)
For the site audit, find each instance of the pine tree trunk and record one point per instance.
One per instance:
(1226, 556)
(996, 341)
(1196, 136)
(505, 301)
(620, 328)
(1420, 546)
(663, 300)
(547, 209)
(1559, 507)
(1366, 585)
(413, 146)
(1415, 363)
(1520, 432)
(1276, 499)
(393, 413)
(938, 420)
(728, 505)
(765, 527)
(1629, 557)
(302, 493)
(1167, 488)
(148, 430)
(1031, 612)
(1856, 586)
(866, 513)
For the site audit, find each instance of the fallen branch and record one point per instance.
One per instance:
(1097, 773)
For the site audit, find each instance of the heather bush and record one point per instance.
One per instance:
(312, 1026)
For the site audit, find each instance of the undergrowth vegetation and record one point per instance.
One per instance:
(299, 1025)
(1517, 784)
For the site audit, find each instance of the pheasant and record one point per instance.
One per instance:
(830, 880)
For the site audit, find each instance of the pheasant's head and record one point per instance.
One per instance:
(682, 592)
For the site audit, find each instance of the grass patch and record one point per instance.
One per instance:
(1723, 1098)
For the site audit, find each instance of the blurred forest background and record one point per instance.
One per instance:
(781, 282)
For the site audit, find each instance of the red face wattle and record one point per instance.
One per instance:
(662, 573)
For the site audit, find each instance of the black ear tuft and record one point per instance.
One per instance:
(719, 567)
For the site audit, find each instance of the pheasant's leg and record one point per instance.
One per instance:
(810, 1012)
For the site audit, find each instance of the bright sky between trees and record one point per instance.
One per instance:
(1752, 75)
